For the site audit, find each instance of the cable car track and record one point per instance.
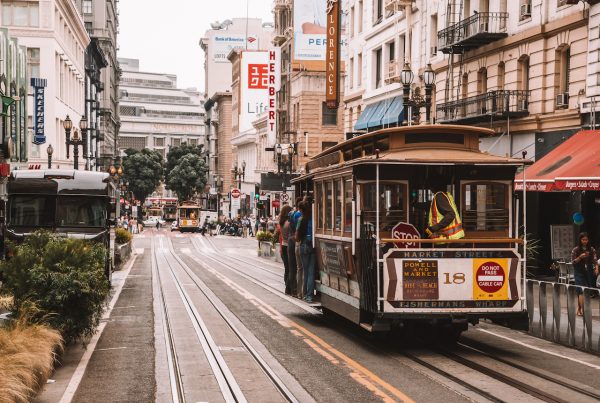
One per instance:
(469, 363)
(229, 386)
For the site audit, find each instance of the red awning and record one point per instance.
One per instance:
(573, 165)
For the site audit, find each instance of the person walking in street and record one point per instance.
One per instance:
(304, 237)
(293, 261)
(157, 225)
(585, 265)
(284, 234)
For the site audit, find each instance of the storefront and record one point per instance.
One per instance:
(563, 191)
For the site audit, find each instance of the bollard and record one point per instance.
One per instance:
(556, 311)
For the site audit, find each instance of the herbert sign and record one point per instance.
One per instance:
(404, 230)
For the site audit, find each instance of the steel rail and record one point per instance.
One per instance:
(277, 382)
(227, 383)
(502, 377)
(531, 371)
(175, 379)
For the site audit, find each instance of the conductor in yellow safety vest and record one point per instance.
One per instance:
(444, 221)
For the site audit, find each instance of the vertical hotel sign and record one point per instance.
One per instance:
(273, 87)
(332, 56)
(39, 89)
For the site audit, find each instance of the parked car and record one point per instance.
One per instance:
(150, 222)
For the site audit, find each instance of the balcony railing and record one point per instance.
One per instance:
(477, 30)
(496, 105)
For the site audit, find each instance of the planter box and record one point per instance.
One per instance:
(264, 249)
(122, 254)
(276, 250)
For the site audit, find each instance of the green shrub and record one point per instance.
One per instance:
(122, 236)
(275, 237)
(263, 236)
(63, 277)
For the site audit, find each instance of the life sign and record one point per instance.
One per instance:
(332, 55)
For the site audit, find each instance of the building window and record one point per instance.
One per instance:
(33, 62)
(327, 144)
(159, 142)
(329, 116)
(175, 142)
(193, 142)
(137, 143)
(501, 72)
(352, 22)
(523, 73)
(360, 16)
(482, 81)
(20, 14)
(561, 3)
(433, 35)
(88, 26)
(564, 69)
(87, 6)
(351, 73)
(377, 11)
(350, 119)
(359, 70)
(378, 68)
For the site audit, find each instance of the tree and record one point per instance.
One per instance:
(176, 153)
(144, 171)
(188, 176)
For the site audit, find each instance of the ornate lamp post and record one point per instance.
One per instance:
(116, 172)
(50, 151)
(67, 125)
(240, 173)
(406, 78)
(76, 140)
(429, 79)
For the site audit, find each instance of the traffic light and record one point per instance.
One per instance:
(256, 191)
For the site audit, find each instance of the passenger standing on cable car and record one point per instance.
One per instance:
(293, 262)
(444, 220)
(304, 237)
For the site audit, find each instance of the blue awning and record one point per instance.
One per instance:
(375, 119)
(394, 113)
(363, 119)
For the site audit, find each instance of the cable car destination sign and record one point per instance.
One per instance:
(332, 55)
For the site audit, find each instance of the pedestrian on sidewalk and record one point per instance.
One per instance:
(284, 233)
(585, 265)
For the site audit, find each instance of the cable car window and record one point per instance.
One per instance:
(485, 207)
(319, 203)
(368, 148)
(357, 152)
(339, 195)
(348, 205)
(347, 155)
(382, 143)
(328, 205)
(392, 204)
(452, 138)
(31, 211)
(77, 211)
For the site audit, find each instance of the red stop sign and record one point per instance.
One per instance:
(404, 230)
(235, 193)
(490, 277)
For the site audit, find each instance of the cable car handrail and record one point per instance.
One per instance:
(447, 241)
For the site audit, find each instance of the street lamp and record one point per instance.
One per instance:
(406, 78)
(68, 125)
(429, 79)
(240, 173)
(50, 151)
(83, 125)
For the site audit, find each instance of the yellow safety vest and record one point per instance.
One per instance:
(455, 229)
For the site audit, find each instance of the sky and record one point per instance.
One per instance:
(164, 35)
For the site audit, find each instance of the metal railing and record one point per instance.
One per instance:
(552, 309)
(498, 104)
(477, 25)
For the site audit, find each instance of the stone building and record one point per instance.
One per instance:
(101, 20)
(56, 39)
(155, 114)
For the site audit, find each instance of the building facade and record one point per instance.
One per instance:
(56, 40)
(155, 114)
(101, 19)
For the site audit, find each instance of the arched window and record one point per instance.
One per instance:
(501, 72)
(464, 91)
(523, 73)
(482, 81)
(562, 75)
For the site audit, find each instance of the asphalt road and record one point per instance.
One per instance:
(206, 319)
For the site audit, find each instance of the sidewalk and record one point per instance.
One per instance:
(121, 368)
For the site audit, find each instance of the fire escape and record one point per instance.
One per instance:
(462, 34)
